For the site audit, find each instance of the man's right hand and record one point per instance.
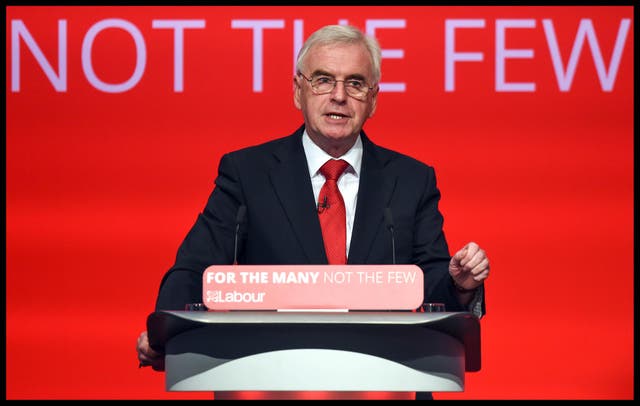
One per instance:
(147, 356)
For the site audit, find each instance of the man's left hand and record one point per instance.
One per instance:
(469, 267)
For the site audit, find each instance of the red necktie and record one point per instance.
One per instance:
(332, 213)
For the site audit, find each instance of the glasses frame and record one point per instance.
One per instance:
(335, 83)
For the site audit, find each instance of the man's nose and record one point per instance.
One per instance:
(339, 92)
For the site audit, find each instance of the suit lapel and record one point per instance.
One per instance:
(292, 184)
(374, 195)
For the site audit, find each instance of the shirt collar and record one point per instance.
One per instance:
(316, 157)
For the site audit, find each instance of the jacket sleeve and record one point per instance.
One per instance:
(431, 252)
(210, 241)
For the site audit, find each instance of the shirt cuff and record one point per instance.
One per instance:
(475, 306)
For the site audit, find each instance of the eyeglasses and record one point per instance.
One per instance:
(322, 84)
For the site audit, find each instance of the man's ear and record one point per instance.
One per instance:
(297, 89)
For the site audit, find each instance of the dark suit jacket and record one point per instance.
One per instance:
(272, 180)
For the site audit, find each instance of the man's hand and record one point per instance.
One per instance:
(469, 267)
(147, 356)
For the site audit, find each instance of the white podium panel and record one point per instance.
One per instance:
(300, 351)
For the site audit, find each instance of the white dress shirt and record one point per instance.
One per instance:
(347, 183)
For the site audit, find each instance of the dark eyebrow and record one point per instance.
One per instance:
(320, 72)
(358, 77)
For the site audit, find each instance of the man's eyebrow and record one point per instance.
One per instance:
(320, 72)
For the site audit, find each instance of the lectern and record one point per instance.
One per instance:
(316, 350)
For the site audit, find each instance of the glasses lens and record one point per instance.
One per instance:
(323, 84)
(356, 92)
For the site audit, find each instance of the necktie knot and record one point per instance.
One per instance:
(333, 168)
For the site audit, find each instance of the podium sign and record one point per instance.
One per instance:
(312, 287)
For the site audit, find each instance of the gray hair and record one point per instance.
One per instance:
(343, 34)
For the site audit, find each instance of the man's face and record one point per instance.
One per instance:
(334, 120)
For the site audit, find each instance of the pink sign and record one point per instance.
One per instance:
(275, 287)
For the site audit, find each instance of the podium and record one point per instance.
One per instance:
(315, 350)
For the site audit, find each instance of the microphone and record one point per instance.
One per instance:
(240, 218)
(323, 205)
(388, 219)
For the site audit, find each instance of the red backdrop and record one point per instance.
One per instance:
(117, 116)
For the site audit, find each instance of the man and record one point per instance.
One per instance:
(281, 185)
